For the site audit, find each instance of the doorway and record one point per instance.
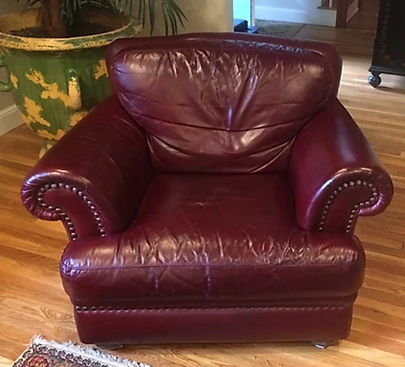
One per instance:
(244, 9)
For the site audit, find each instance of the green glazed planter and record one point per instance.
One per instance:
(56, 82)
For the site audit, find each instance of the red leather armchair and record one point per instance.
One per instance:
(213, 197)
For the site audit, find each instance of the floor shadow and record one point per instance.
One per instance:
(395, 90)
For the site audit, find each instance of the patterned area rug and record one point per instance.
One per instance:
(279, 29)
(42, 353)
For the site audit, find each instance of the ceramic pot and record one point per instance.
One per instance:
(56, 81)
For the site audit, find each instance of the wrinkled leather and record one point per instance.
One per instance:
(105, 156)
(237, 107)
(329, 152)
(197, 247)
(242, 41)
(197, 235)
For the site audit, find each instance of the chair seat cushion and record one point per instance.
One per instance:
(224, 239)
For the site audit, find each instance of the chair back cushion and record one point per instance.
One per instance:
(217, 104)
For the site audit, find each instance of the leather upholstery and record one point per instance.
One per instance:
(236, 109)
(339, 180)
(196, 235)
(87, 179)
(214, 197)
(244, 40)
(213, 324)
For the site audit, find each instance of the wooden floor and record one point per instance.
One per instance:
(32, 300)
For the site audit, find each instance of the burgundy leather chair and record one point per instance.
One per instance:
(214, 196)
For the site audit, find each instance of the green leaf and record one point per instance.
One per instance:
(152, 15)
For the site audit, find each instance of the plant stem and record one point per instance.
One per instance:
(52, 18)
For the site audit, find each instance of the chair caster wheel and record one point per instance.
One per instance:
(374, 80)
(324, 344)
(109, 347)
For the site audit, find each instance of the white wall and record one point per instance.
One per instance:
(299, 11)
(208, 15)
(203, 16)
(9, 117)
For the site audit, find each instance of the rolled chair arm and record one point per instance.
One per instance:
(95, 177)
(335, 174)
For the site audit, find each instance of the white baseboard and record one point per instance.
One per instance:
(315, 16)
(10, 118)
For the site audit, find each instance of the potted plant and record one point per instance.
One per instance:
(54, 53)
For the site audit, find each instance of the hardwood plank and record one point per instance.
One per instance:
(4, 362)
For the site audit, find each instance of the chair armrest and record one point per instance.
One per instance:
(95, 177)
(335, 174)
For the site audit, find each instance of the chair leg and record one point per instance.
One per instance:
(324, 344)
(109, 347)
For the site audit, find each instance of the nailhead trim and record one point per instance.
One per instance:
(356, 208)
(62, 215)
(121, 309)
